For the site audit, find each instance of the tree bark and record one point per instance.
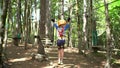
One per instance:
(84, 25)
(42, 26)
(2, 27)
(19, 17)
(62, 9)
(90, 24)
(70, 28)
(26, 23)
(108, 34)
(80, 46)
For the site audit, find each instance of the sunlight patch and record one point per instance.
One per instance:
(20, 59)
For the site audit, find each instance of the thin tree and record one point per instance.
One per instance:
(79, 26)
(27, 22)
(84, 24)
(108, 34)
(90, 23)
(62, 9)
(19, 16)
(24, 24)
(36, 27)
(70, 29)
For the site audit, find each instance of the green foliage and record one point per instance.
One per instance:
(115, 21)
(99, 17)
(114, 13)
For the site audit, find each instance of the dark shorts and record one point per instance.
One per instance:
(60, 43)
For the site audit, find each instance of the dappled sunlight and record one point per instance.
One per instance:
(55, 65)
(53, 57)
(69, 58)
(84, 64)
(19, 56)
(20, 59)
(52, 49)
(117, 61)
(103, 63)
(52, 52)
(104, 52)
(48, 67)
(71, 50)
(30, 50)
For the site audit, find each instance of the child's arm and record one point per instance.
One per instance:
(54, 24)
(67, 25)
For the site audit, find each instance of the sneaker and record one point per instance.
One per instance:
(61, 62)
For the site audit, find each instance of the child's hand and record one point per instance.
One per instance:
(53, 20)
(68, 20)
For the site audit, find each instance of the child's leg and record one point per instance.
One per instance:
(59, 55)
(62, 54)
(59, 51)
(60, 44)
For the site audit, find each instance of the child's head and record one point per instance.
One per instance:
(61, 23)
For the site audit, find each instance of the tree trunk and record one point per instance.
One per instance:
(48, 23)
(80, 46)
(108, 34)
(70, 28)
(8, 26)
(26, 23)
(19, 17)
(62, 9)
(42, 26)
(84, 25)
(90, 24)
(2, 27)
(36, 27)
(18, 24)
(29, 22)
(41, 49)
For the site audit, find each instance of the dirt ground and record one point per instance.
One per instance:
(18, 57)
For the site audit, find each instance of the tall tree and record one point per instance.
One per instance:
(42, 18)
(79, 26)
(108, 34)
(62, 9)
(18, 24)
(19, 16)
(2, 26)
(36, 27)
(90, 24)
(70, 29)
(25, 24)
(48, 23)
(42, 26)
(84, 23)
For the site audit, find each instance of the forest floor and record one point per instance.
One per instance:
(18, 57)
